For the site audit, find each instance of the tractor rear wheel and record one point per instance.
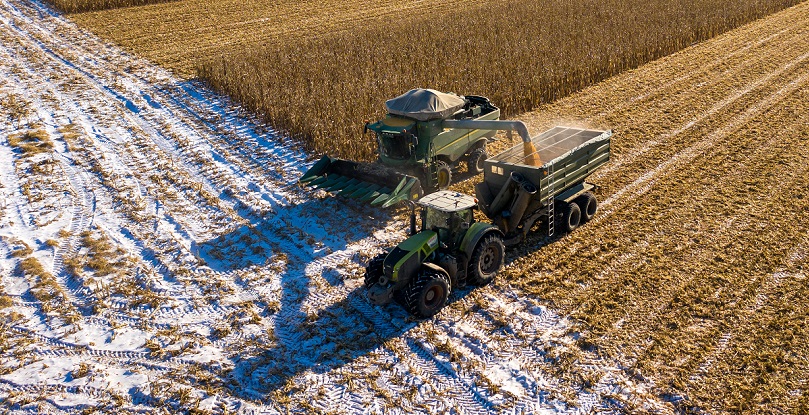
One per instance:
(427, 293)
(588, 205)
(570, 217)
(474, 163)
(444, 173)
(486, 260)
(374, 269)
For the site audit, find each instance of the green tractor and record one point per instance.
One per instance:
(450, 251)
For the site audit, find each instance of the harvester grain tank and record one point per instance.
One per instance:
(452, 250)
(424, 136)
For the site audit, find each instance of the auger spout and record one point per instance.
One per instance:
(531, 155)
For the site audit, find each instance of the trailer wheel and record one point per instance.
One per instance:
(570, 218)
(588, 206)
(486, 260)
(374, 269)
(426, 294)
(444, 173)
(474, 163)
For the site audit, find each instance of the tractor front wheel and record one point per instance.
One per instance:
(427, 293)
(374, 269)
(487, 258)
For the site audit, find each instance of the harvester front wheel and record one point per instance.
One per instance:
(475, 161)
(487, 258)
(570, 218)
(374, 269)
(588, 206)
(427, 293)
(444, 173)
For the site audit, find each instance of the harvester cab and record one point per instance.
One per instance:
(396, 139)
(450, 251)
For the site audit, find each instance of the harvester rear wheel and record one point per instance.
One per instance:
(444, 173)
(475, 161)
(588, 206)
(487, 258)
(374, 269)
(570, 218)
(427, 293)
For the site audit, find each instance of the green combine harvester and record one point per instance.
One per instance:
(425, 135)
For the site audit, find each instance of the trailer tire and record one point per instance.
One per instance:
(374, 269)
(570, 217)
(444, 173)
(427, 293)
(474, 164)
(588, 205)
(487, 258)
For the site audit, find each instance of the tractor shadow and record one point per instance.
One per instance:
(320, 319)
(312, 343)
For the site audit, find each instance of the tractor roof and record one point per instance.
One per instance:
(448, 201)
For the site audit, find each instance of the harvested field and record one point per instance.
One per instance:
(694, 271)
(156, 253)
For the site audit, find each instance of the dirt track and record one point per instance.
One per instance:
(687, 291)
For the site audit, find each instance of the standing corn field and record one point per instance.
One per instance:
(520, 54)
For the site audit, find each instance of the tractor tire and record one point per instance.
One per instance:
(486, 260)
(474, 164)
(427, 293)
(570, 217)
(588, 206)
(374, 269)
(444, 173)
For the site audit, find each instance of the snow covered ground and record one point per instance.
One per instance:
(181, 267)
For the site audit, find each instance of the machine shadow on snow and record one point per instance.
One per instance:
(306, 337)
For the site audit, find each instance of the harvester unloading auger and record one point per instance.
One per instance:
(424, 136)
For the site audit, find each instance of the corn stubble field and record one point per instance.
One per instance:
(156, 253)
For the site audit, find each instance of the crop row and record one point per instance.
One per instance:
(78, 6)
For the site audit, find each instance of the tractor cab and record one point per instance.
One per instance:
(447, 213)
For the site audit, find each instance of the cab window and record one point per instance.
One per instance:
(436, 219)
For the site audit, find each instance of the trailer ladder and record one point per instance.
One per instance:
(551, 211)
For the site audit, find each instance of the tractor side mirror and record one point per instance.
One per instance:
(412, 218)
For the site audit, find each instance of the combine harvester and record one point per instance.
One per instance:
(452, 250)
(424, 136)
